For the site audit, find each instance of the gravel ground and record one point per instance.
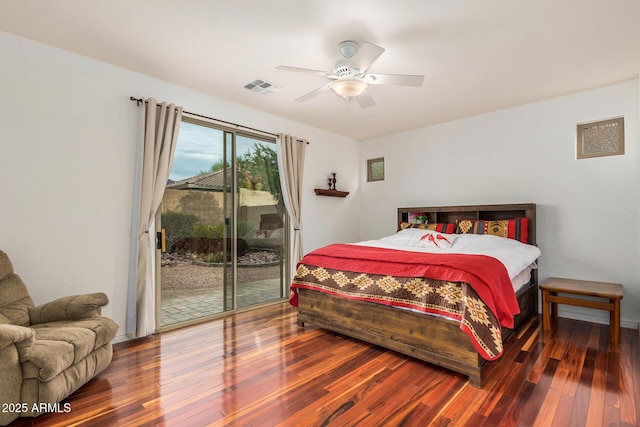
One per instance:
(184, 274)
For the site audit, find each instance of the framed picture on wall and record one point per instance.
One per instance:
(601, 138)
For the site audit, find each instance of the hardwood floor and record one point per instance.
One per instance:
(260, 368)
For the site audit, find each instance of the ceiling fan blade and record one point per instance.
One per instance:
(367, 54)
(365, 100)
(394, 79)
(307, 71)
(314, 93)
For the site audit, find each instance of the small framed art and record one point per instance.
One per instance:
(601, 138)
(375, 169)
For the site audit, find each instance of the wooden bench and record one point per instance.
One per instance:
(610, 292)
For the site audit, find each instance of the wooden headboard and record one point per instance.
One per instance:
(454, 214)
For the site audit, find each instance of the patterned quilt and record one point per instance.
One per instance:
(338, 270)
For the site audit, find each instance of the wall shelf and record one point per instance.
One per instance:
(331, 193)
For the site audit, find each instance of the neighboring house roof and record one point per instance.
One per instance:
(212, 181)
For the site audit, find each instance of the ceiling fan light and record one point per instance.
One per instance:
(349, 88)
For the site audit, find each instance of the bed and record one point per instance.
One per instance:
(467, 312)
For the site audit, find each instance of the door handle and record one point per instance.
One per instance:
(161, 240)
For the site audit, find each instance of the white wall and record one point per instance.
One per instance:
(587, 210)
(67, 157)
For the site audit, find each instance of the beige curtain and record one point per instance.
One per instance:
(158, 136)
(291, 152)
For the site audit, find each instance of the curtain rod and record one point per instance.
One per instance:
(139, 100)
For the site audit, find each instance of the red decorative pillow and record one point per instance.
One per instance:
(442, 227)
(517, 228)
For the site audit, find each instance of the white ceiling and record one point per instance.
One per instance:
(477, 55)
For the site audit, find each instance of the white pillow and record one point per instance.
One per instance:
(406, 237)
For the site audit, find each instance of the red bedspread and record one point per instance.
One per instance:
(486, 275)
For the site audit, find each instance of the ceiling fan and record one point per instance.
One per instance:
(349, 76)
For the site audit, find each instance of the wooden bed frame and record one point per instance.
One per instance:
(429, 338)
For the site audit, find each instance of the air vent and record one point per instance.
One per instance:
(262, 86)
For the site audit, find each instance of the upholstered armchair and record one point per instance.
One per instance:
(49, 351)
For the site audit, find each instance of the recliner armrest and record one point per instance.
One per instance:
(69, 308)
(22, 337)
(16, 343)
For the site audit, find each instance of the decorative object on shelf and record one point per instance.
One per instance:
(420, 218)
(332, 191)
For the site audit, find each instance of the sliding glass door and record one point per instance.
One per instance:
(223, 226)
(261, 223)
